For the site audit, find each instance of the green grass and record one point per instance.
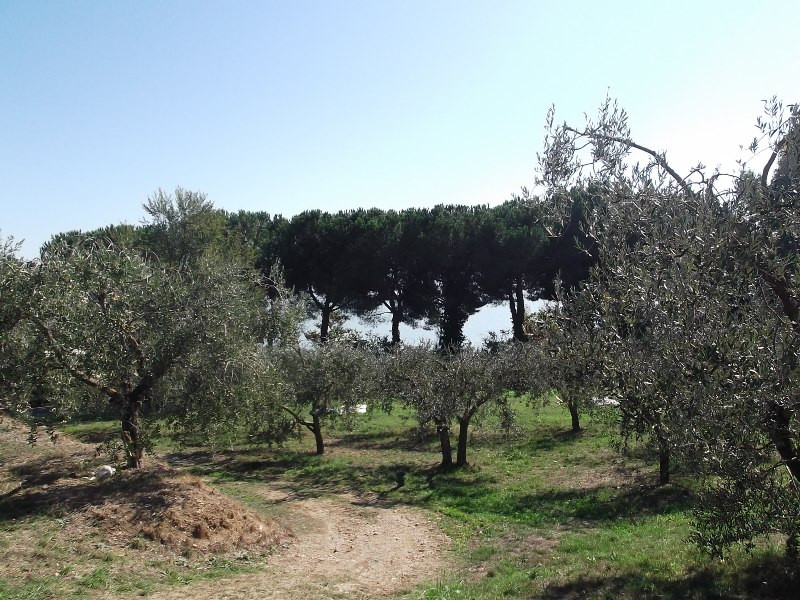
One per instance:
(104, 580)
(539, 513)
(92, 432)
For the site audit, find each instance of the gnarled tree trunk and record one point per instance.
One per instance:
(316, 429)
(573, 413)
(461, 448)
(443, 429)
(781, 437)
(131, 433)
(663, 459)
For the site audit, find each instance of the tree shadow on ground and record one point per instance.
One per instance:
(410, 442)
(477, 493)
(553, 440)
(604, 503)
(304, 475)
(761, 578)
(301, 474)
(53, 487)
(467, 489)
(239, 463)
(95, 436)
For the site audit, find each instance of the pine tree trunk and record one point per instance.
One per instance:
(325, 325)
(516, 301)
(396, 316)
(451, 332)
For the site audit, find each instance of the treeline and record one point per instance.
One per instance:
(438, 266)
(215, 349)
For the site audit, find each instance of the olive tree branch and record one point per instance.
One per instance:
(660, 160)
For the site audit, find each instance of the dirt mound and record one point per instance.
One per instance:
(157, 502)
(347, 547)
(179, 511)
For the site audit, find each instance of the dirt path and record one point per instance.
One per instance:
(345, 547)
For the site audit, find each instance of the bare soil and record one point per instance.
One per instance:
(157, 502)
(321, 547)
(345, 546)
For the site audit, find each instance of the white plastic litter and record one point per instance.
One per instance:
(104, 472)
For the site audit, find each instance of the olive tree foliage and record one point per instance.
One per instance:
(565, 354)
(449, 388)
(14, 279)
(101, 317)
(284, 310)
(653, 306)
(325, 381)
(697, 298)
(12, 283)
(243, 387)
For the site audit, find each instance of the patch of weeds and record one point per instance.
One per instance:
(138, 543)
(482, 553)
(218, 565)
(65, 570)
(100, 578)
(33, 588)
(447, 591)
(140, 586)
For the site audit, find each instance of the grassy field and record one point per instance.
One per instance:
(540, 513)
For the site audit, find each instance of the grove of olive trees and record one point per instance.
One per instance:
(677, 296)
(101, 316)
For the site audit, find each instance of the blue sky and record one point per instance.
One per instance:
(287, 106)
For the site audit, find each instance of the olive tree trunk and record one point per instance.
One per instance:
(461, 448)
(443, 429)
(132, 434)
(576, 418)
(663, 460)
(316, 429)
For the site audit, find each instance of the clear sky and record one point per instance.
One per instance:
(291, 105)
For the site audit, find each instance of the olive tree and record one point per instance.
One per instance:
(102, 317)
(184, 227)
(698, 293)
(566, 353)
(323, 380)
(450, 387)
(14, 280)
